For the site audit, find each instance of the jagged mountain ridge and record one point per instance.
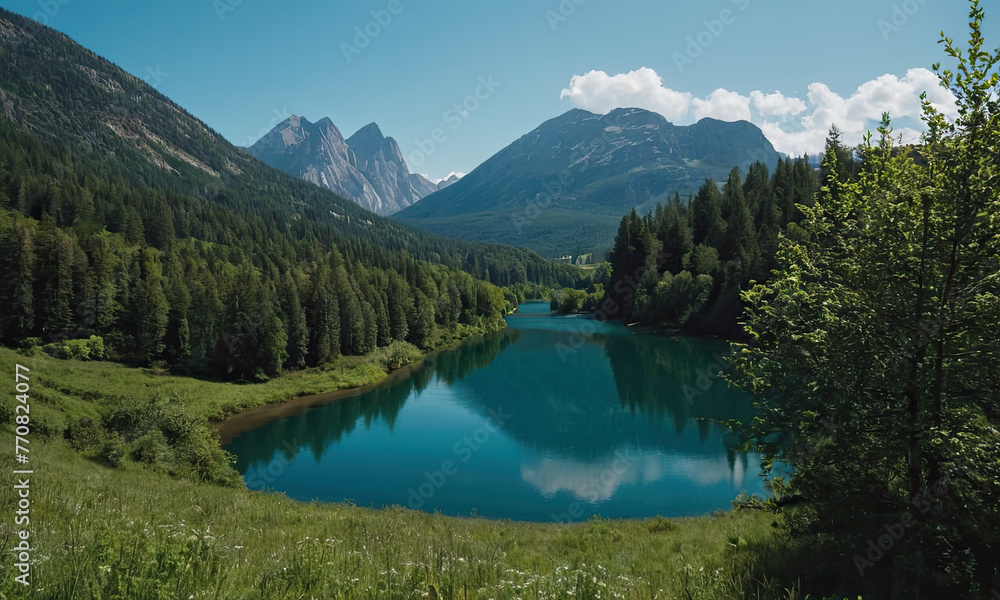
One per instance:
(367, 167)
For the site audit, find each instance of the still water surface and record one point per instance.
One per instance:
(557, 418)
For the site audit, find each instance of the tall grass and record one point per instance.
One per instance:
(134, 532)
(67, 382)
(130, 533)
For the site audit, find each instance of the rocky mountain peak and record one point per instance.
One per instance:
(367, 167)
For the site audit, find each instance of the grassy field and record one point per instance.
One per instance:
(134, 532)
(66, 382)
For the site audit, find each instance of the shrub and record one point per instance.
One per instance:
(47, 422)
(96, 345)
(82, 349)
(85, 435)
(157, 432)
(660, 524)
(114, 451)
(399, 354)
(151, 449)
(30, 343)
(131, 417)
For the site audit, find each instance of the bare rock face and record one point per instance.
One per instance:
(9, 106)
(451, 180)
(423, 186)
(318, 153)
(367, 167)
(380, 160)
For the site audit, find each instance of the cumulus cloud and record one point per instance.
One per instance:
(601, 93)
(723, 105)
(794, 125)
(776, 104)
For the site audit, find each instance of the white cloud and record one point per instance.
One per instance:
(776, 104)
(795, 126)
(723, 105)
(601, 93)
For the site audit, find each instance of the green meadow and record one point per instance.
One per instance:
(113, 516)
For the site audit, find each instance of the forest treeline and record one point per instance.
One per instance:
(82, 254)
(683, 265)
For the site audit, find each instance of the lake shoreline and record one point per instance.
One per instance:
(671, 332)
(233, 425)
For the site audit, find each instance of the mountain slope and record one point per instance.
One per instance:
(422, 186)
(563, 187)
(125, 219)
(448, 182)
(103, 118)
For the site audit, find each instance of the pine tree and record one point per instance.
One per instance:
(149, 307)
(675, 236)
(177, 341)
(294, 318)
(706, 209)
(54, 281)
(635, 253)
(17, 263)
(400, 304)
(739, 243)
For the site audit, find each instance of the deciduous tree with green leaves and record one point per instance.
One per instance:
(876, 350)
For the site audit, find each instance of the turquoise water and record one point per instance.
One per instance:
(557, 418)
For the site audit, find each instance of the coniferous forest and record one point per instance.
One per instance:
(683, 265)
(127, 219)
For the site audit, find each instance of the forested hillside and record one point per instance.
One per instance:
(124, 217)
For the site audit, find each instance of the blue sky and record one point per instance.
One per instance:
(244, 65)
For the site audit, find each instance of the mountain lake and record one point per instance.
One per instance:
(557, 418)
